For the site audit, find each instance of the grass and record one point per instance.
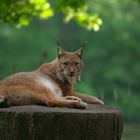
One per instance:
(131, 131)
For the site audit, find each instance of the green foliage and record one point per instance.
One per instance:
(21, 12)
(138, 0)
(78, 10)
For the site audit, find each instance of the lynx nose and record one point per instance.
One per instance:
(71, 73)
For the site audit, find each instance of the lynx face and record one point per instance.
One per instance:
(70, 65)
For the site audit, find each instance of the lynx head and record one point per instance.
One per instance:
(70, 65)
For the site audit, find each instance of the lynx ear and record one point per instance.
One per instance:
(60, 52)
(79, 52)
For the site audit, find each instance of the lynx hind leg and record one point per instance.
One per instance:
(19, 95)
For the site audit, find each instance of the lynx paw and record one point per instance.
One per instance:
(82, 105)
(99, 101)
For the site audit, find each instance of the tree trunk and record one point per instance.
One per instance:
(97, 122)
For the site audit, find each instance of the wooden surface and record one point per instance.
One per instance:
(96, 122)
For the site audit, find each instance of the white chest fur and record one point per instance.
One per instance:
(51, 85)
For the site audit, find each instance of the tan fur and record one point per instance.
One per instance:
(51, 84)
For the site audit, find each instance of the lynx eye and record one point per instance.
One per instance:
(65, 63)
(76, 64)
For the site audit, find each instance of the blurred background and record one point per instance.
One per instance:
(112, 56)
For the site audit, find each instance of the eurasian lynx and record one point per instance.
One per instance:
(51, 84)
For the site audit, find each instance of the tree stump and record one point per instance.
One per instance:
(96, 122)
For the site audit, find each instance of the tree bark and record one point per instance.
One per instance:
(96, 122)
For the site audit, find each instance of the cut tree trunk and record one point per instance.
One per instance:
(96, 122)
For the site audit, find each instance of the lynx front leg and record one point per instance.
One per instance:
(72, 98)
(88, 99)
(65, 102)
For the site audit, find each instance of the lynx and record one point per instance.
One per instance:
(51, 84)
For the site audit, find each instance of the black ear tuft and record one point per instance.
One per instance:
(58, 43)
(84, 44)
